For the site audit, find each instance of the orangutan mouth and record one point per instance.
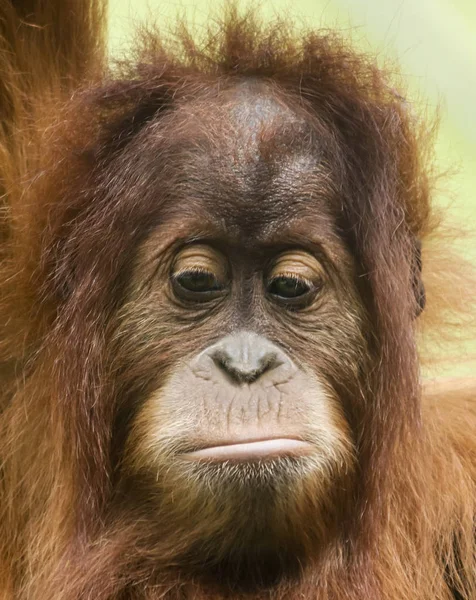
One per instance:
(253, 450)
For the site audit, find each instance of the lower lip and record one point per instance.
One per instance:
(260, 450)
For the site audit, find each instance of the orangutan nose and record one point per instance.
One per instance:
(245, 356)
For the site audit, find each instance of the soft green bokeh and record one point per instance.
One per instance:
(434, 41)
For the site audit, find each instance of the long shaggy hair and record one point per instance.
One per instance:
(65, 117)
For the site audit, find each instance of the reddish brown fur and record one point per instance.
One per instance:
(413, 534)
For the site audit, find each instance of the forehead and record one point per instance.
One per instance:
(251, 162)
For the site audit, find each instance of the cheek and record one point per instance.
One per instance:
(330, 336)
(149, 336)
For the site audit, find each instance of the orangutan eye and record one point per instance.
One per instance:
(199, 273)
(294, 278)
(198, 281)
(287, 287)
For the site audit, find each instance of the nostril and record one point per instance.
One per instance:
(268, 362)
(245, 370)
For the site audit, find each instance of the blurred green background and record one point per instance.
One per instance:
(433, 41)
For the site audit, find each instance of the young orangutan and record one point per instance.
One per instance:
(211, 289)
